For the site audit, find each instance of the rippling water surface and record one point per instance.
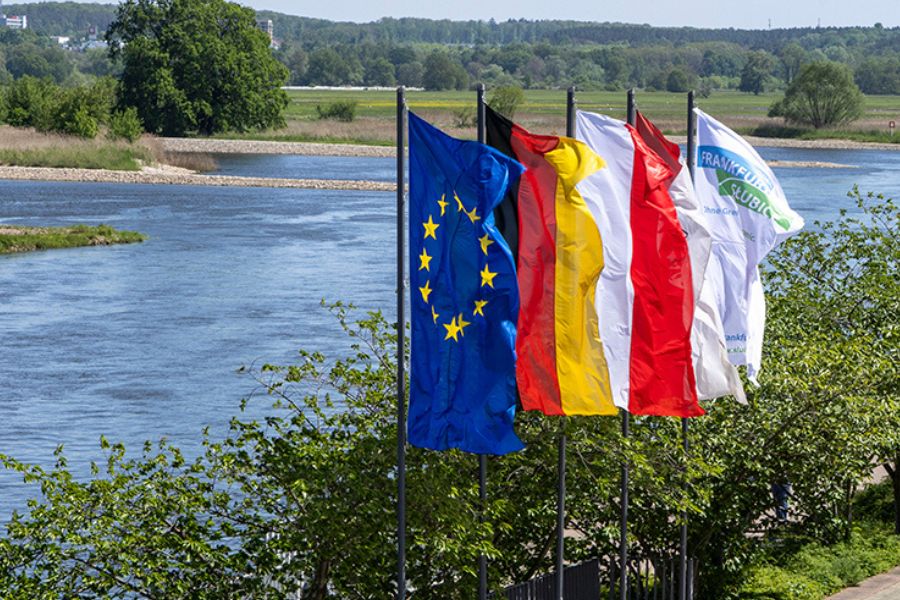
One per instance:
(142, 341)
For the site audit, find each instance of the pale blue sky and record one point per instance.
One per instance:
(740, 14)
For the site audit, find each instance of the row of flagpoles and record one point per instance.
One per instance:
(484, 183)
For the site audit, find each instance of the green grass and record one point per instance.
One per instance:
(14, 238)
(114, 157)
(544, 111)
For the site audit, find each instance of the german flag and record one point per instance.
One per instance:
(560, 367)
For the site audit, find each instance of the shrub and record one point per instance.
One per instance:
(125, 125)
(875, 502)
(505, 100)
(465, 117)
(768, 582)
(339, 111)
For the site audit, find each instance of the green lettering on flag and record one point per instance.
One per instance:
(750, 197)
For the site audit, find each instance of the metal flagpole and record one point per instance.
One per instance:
(401, 334)
(482, 458)
(626, 423)
(561, 451)
(682, 556)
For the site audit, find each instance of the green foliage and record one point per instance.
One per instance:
(875, 502)
(125, 125)
(756, 72)
(879, 75)
(822, 95)
(443, 73)
(339, 111)
(196, 66)
(107, 156)
(45, 106)
(769, 582)
(679, 80)
(26, 239)
(505, 100)
(306, 496)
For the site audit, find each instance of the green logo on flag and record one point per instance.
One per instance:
(750, 197)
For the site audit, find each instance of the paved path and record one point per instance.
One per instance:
(881, 587)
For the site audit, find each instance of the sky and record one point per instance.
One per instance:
(746, 14)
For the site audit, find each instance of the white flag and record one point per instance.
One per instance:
(748, 215)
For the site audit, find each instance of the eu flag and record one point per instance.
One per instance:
(464, 296)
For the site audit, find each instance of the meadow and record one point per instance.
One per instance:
(544, 111)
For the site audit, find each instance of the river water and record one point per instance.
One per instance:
(142, 341)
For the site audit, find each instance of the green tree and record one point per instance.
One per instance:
(505, 100)
(327, 67)
(192, 65)
(679, 80)
(792, 57)
(442, 73)
(756, 72)
(822, 95)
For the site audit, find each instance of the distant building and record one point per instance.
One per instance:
(14, 22)
(61, 39)
(267, 26)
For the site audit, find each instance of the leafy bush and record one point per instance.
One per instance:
(768, 582)
(465, 117)
(505, 100)
(339, 111)
(125, 125)
(875, 502)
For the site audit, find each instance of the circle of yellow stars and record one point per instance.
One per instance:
(457, 325)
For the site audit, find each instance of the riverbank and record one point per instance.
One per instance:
(219, 146)
(16, 238)
(168, 175)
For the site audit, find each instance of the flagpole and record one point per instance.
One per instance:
(482, 458)
(401, 334)
(683, 550)
(626, 424)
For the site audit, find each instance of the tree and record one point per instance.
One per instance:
(192, 65)
(879, 75)
(679, 81)
(792, 58)
(822, 95)
(327, 67)
(505, 100)
(443, 73)
(756, 72)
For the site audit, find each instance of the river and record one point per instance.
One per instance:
(143, 341)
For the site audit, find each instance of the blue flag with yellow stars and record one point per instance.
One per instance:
(464, 296)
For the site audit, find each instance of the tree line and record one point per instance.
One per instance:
(442, 54)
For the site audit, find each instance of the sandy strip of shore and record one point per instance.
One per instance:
(175, 176)
(216, 146)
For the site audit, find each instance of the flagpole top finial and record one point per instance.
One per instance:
(479, 87)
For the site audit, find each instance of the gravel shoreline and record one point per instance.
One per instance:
(161, 175)
(216, 146)
(167, 175)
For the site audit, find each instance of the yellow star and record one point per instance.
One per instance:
(473, 216)
(487, 277)
(430, 228)
(434, 315)
(426, 291)
(485, 242)
(459, 204)
(479, 305)
(443, 204)
(462, 324)
(452, 330)
(424, 260)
